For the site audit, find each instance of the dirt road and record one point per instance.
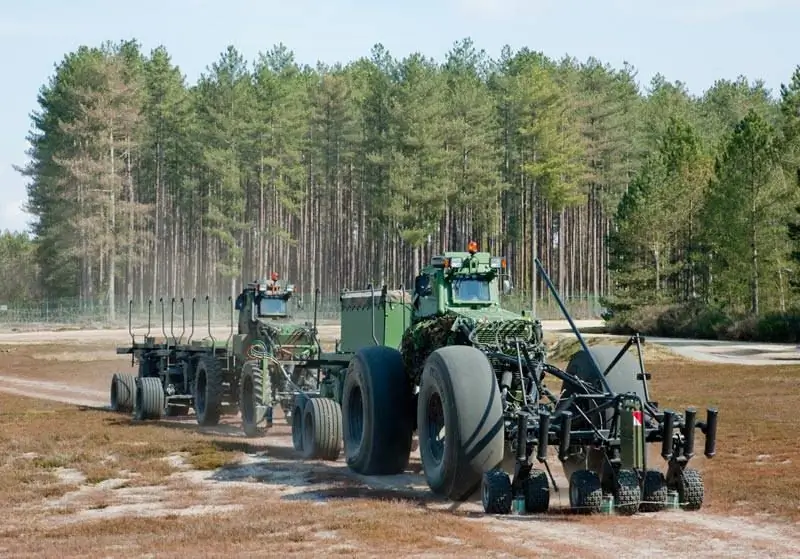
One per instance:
(672, 534)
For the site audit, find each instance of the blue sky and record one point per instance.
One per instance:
(692, 41)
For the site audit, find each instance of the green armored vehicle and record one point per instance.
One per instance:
(472, 380)
(272, 349)
(259, 366)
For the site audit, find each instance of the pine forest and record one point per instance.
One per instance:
(677, 213)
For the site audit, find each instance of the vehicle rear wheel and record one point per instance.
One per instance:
(377, 412)
(208, 390)
(460, 421)
(322, 429)
(149, 398)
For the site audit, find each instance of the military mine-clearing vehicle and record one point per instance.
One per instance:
(472, 380)
(248, 373)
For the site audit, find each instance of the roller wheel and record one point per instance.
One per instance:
(123, 392)
(149, 398)
(250, 401)
(322, 429)
(627, 493)
(208, 390)
(585, 492)
(654, 493)
(536, 489)
(377, 412)
(689, 484)
(496, 492)
(460, 421)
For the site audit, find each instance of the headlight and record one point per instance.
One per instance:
(496, 262)
(456, 262)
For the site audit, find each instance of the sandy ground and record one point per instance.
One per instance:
(671, 534)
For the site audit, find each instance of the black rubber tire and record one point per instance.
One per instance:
(298, 406)
(149, 398)
(536, 489)
(654, 492)
(496, 494)
(377, 414)
(208, 390)
(251, 384)
(322, 429)
(690, 486)
(627, 492)
(123, 392)
(585, 492)
(622, 378)
(459, 392)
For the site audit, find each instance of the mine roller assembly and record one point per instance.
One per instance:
(472, 380)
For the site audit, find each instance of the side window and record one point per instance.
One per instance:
(422, 285)
(426, 302)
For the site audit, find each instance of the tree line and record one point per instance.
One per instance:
(143, 185)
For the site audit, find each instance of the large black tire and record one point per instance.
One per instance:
(377, 413)
(208, 390)
(298, 406)
(690, 487)
(585, 492)
(496, 494)
(622, 378)
(459, 392)
(322, 429)
(536, 489)
(123, 392)
(251, 385)
(149, 398)
(654, 492)
(627, 493)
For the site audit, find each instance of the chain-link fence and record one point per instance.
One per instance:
(177, 315)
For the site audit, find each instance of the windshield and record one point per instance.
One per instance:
(271, 306)
(468, 290)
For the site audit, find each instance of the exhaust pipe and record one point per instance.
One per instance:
(711, 432)
(688, 433)
(666, 444)
(544, 432)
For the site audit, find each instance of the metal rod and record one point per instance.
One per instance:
(183, 320)
(149, 316)
(191, 334)
(208, 316)
(316, 334)
(163, 327)
(372, 300)
(130, 321)
(641, 368)
(172, 322)
(572, 325)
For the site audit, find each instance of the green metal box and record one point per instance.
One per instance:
(391, 310)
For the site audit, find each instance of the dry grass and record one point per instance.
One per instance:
(73, 457)
(87, 365)
(755, 468)
(73, 477)
(39, 438)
